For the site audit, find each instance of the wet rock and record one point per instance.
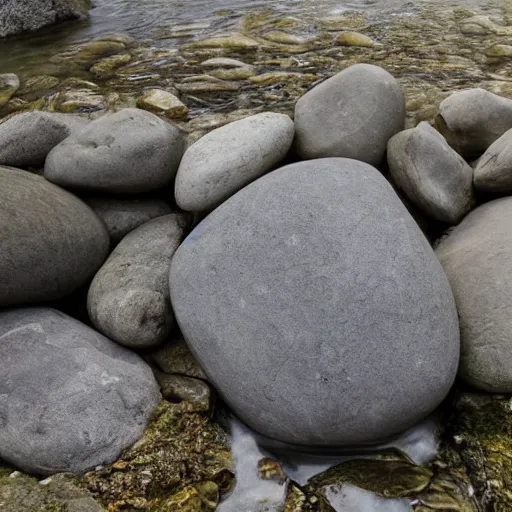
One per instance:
(266, 276)
(178, 388)
(353, 115)
(250, 148)
(91, 52)
(472, 120)
(348, 38)
(478, 25)
(131, 151)
(223, 62)
(431, 174)
(26, 139)
(128, 300)
(238, 73)
(180, 454)
(122, 215)
(174, 356)
(52, 243)
(206, 84)
(72, 399)
(474, 256)
(9, 84)
(20, 16)
(163, 103)
(61, 492)
(80, 100)
(493, 170)
(229, 41)
(105, 68)
(499, 50)
(349, 20)
(277, 36)
(38, 85)
(276, 77)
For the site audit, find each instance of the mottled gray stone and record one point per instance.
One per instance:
(71, 399)
(131, 151)
(228, 158)
(352, 114)
(122, 215)
(179, 388)
(26, 139)
(431, 174)
(128, 300)
(476, 256)
(52, 243)
(316, 306)
(493, 172)
(473, 119)
(28, 15)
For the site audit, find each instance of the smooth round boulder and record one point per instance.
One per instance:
(352, 114)
(128, 299)
(129, 152)
(431, 174)
(71, 399)
(123, 214)
(52, 243)
(473, 119)
(476, 256)
(26, 139)
(316, 306)
(228, 158)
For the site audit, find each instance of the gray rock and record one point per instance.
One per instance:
(228, 158)
(476, 256)
(431, 174)
(316, 306)
(131, 151)
(122, 215)
(472, 120)
(493, 172)
(353, 115)
(52, 243)
(26, 139)
(178, 388)
(128, 300)
(28, 15)
(71, 399)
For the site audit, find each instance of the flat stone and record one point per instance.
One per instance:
(128, 299)
(499, 50)
(26, 139)
(52, 243)
(223, 62)
(71, 398)
(352, 114)
(431, 174)
(277, 36)
(129, 152)
(301, 286)
(228, 158)
(475, 256)
(349, 38)
(163, 103)
(9, 84)
(105, 68)
(231, 41)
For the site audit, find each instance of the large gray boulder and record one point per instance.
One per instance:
(71, 399)
(52, 243)
(477, 257)
(352, 114)
(26, 139)
(28, 15)
(228, 158)
(431, 174)
(493, 171)
(128, 299)
(316, 306)
(129, 152)
(122, 215)
(473, 119)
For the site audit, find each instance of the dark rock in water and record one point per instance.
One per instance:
(129, 152)
(431, 174)
(28, 15)
(352, 114)
(476, 256)
(316, 306)
(129, 300)
(26, 139)
(472, 120)
(52, 243)
(71, 398)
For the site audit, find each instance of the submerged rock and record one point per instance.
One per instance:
(348, 38)
(9, 84)
(72, 399)
(230, 41)
(266, 276)
(106, 67)
(352, 115)
(163, 103)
